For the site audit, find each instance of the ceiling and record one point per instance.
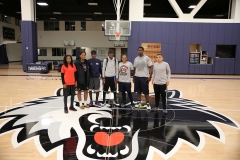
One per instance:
(80, 10)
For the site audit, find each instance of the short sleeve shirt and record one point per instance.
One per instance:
(125, 72)
(69, 71)
(142, 65)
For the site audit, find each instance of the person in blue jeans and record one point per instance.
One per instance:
(95, 70)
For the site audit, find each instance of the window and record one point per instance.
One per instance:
(51, 26)
(226, 51)
(58, 51)
(42, 52)
(17, 22)
(73, 52)
(69, 26)
(83, 26)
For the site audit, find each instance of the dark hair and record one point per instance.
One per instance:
(110, 51)
(65, 60)
(93, 52)
(123, 55)
(141, 48)
(81, 54)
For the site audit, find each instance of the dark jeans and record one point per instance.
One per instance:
(160, 89)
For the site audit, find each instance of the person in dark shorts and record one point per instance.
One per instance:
(68, 70)
(95, 70)
(124, 80)
(83, 78)
(110, 76)
(160, 81)
(142, 76)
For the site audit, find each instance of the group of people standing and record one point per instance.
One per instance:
(85, 75)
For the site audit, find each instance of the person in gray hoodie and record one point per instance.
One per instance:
(110, 76)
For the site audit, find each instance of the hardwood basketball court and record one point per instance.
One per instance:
(208, 128)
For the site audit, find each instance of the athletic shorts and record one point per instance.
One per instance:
(94, 84)
(70, 90)
(141, 84)
(124, 87)
(109, 82)
(82, 87)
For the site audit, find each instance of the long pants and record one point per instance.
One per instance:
(109, 82)
(160, 90)
(129, 96)
(70, 90)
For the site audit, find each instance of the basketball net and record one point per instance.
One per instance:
(118, 35)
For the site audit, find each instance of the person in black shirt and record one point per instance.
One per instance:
(83, 79)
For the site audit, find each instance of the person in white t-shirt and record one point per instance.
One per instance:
(124, 80)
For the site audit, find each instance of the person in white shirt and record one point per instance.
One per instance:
(110, 76)
(124, 79)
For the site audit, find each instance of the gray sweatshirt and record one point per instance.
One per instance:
(111, 69)
(161, 72)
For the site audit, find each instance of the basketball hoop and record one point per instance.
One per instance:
(118, 35)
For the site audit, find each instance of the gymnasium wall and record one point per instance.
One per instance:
(13, 26)
(14, 52)
(176, 37)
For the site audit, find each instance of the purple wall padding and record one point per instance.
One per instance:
(29, 43)
(176, 38)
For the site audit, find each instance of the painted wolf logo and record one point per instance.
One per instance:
(83, 134)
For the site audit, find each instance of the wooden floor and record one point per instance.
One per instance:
(221, 93)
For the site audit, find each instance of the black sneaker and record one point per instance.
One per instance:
(65, 110)
(115, 103)
(72, 108)
(156, 109)
(77, 104)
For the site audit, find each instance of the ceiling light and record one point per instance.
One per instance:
(147, 4)
(192, 6)
(57, 13)
(52, 18)
(97, 12)
(92, 4)
(219, 15)
(5, 16)
(89, 19)
(42, 4)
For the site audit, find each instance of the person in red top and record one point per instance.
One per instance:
(68, 80)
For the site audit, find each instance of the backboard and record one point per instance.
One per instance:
(113, 26)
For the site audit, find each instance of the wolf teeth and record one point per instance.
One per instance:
(113, 128)
(108, 128)
(107, 155)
